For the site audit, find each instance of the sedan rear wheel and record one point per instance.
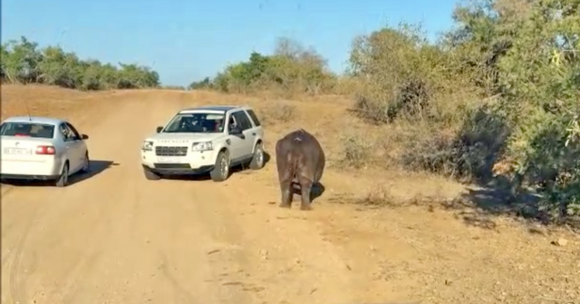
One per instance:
(62, 180)
(86, 163)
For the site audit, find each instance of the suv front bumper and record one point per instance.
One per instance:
(193, 163)
(177, 169)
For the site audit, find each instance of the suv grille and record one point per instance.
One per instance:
(171, 151)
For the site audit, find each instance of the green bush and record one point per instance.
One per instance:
(505, 82)
(292, 69)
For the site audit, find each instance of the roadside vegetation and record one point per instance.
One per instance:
(22, 61)
(495, 100)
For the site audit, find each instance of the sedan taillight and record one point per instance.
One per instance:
(45, 150)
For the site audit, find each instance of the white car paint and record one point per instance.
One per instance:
(19, 159)
(240, 148)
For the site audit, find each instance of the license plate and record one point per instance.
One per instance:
(16, 151)
(171, 160)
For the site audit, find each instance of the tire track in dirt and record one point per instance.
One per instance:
(296, 264)
(72, 287)
(101, 227)
(112, 253)
(5, 190)
(41, 224)
(66, 207)
(15, 289)
(34, 214)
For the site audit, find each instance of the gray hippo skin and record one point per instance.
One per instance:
(299, 159)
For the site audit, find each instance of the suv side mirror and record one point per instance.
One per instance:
(159, 129)
(84, 136)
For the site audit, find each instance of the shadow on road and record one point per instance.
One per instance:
(96, 167)
(242, 168)
(479, 207)
(317, 191)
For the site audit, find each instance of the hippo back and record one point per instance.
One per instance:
(300, 142)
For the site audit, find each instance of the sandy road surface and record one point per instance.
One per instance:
(118, 238)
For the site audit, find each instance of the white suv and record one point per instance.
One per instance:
(205, 139)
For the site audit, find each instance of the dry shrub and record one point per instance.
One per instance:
(357, 150)
(382, 196)
(347, 85)
(279, 112)
(379, 195)
(467, 152)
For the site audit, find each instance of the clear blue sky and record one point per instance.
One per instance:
(188, 40)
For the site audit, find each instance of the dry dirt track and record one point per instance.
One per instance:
(117, 238)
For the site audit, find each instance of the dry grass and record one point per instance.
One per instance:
(357, 150)
(280, 111)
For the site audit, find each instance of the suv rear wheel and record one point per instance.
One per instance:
(257, 162)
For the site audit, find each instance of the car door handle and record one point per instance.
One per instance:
(254, 133)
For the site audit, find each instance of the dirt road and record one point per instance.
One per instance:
(114, 237)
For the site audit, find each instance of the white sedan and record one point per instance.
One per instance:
(41, 148)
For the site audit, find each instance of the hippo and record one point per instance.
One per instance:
(300, 161)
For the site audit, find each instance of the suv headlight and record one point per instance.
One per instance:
(202, 146)
(147, 146)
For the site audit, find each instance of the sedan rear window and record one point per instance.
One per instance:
(27, 129)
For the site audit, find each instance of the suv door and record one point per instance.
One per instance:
(257, 129)
(249, 135)
(235, 142)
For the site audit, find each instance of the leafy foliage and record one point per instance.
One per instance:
(291, 69)
(23, 62)
(505, 81)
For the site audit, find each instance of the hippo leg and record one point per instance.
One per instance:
(286, 190)
(306, 187)
(285, 176)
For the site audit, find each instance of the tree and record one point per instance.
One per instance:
(22, 62)
(290, 68)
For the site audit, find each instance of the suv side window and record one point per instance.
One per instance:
(254, 117)
(243, 120)
(231, 122)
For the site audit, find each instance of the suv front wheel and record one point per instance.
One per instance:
(257, 161)
(221, 170)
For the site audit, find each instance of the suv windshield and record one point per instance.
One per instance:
(27, 129)
(196, 123)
